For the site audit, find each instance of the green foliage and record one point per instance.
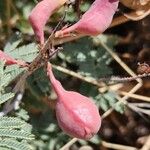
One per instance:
(13, 130)
(25, 52)
(39, 83)
(14, 145)
(23, 114)
(13, 71)
(14, 134)
(12, 43)
(120, 107)
(108, 100)
(4, 81)
(92, 59)
(10, 123)
(6, 97)
(70, 16)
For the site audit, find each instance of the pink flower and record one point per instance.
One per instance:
(77, 115)
(40, 15)
(11, 61)
(95, 21)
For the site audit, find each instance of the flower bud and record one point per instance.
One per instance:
(95, 21)
(11, 61)
(77, 115)
(40, 15)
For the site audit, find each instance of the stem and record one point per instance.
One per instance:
(55, 83)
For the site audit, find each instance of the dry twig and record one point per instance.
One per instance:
(117, 146)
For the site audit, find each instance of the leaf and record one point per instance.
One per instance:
(70, 15)
(2, 63)
(10, 123)
(23, 114)
(6, 97)
(15, 134)
(14, 145)
(38, 84)
(120, 107)
(111, 98)
(92, 59)
(12, 43)
(14, 71)
(87, 88)
(25, 52)
(4, 148)
(4, 80)
(103, 104)
(108, 100)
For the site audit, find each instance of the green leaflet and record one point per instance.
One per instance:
(23, 114)
(12, 43)
(25, 52)
(13, 130)
(10, 123)
(15, 134)
(14, 145)
(6, 97)
(4, 81)
(4, 148)
(92, 59)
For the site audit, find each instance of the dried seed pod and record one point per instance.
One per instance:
(143, 68)
(95, 21)
(40, 14)
(77, 115)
